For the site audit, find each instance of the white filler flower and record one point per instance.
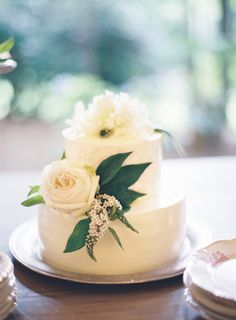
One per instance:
(69, 187)
(112, 115)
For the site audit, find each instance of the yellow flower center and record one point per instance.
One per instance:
(64, 181)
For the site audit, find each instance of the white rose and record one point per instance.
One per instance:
(69, 186)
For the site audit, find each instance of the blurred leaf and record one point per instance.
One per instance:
(7, 45)
(175, 142)
(63, 156)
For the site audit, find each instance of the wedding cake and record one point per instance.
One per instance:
(103, 208)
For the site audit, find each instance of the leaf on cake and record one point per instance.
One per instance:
(176, 144)
(128, 175)
(123, 194)
(78, 237)
(118, 213)
(33, 190)
(91, 254)
(63, 156)
(109, 167)
(125, 177)
(124, 220)
(115, 236)
(33, 201)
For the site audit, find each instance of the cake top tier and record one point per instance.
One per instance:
(114, 116)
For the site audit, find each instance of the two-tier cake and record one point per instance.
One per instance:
(104, 208)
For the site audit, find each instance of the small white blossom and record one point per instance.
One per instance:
(101, 207)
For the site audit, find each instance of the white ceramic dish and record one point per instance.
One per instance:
(7, 286)
(6, 267)
(206, 313)
(8, 307)
(213, 269)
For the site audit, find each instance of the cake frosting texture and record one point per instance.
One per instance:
(160, 239)
(93, 150)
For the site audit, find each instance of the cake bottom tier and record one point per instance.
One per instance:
(161, 226)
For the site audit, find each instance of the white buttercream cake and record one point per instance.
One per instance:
(113, 124)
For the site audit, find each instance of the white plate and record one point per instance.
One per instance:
(211, 303)
(6, 267)
(24, 247)
(7, 290)
(6, 281)
(213, 269)
(206, 313)
(8, 307)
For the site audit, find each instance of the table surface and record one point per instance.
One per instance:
(210, 185)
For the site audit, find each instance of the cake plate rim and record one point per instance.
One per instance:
(197, 236)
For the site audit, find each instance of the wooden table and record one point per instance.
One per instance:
(211, 198)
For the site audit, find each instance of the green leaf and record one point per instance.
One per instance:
(63, 155)
(109, 167)
(118, 213)
(124, 220)
(33, 201)
(116, 237)
(122, 193)
(7, 45)
(78, 237)
(91, 254)
(127, 175)
(33, 189)
(176, 144)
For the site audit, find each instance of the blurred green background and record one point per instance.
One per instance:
(179, 57)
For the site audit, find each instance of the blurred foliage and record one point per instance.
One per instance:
(6, 63)
(73, 37)
(6, 46)
(173, 54)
